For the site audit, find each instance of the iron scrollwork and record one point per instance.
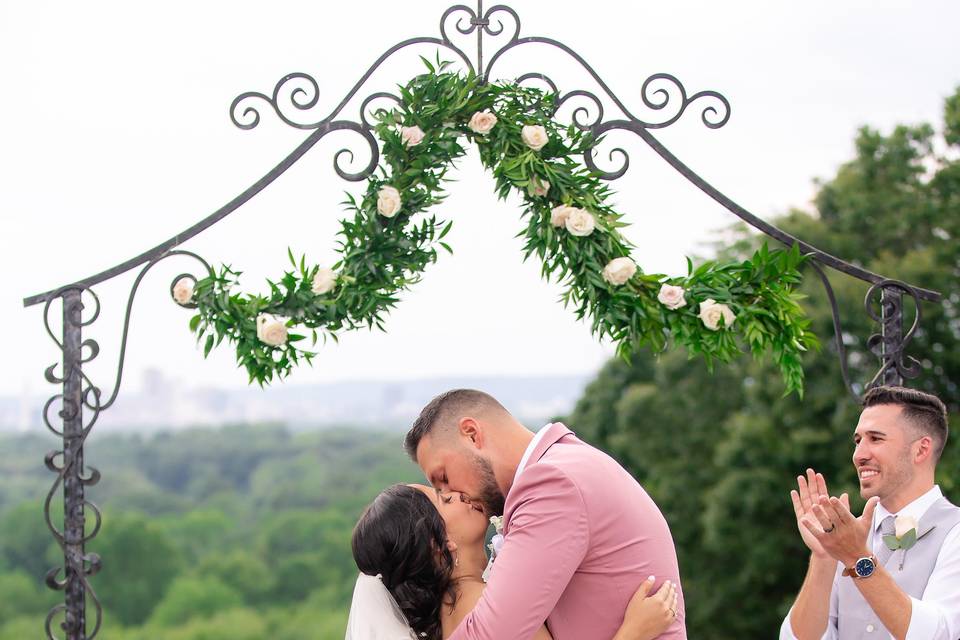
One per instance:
(81, 403)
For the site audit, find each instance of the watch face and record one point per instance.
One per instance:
(864, 567)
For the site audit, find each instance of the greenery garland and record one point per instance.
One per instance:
(385, 247)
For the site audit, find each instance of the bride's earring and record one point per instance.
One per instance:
(456, 560)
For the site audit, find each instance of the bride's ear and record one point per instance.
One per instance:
(451, 546)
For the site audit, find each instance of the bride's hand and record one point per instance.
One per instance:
(648, 616)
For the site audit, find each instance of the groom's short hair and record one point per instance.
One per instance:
(443, 412)
(924, 412)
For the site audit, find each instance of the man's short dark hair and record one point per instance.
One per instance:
(926, 412)
(444, 411)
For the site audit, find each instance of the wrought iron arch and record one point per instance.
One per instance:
(298, 93)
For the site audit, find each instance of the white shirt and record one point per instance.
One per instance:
(937, 615)
(529, 452)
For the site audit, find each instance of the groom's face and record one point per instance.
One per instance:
(451, 466)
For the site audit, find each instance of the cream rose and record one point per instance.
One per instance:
(711, 312)
(534, 136)
(183, 291)
(902, 524)
(671, 296)
(411, 136)
(271, 330)
(537, 187)
(580, 223)
(324, 281)
(482, 122)
(388, 201)
(559, 215)
(619, 270)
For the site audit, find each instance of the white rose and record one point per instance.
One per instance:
(411, 136)
(538, 187)
(559, 215)
(580, 223)
(902, 524)
(482, 122)
(388, 201)
(496, 543)
(183, 291)
(271, 330)
(534, 136)
(671, 296)
(619, 270)
(711, 312)
(324, 281)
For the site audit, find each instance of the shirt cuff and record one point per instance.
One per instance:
(925, 619)
(786, 630)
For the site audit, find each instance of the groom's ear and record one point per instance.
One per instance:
(471, 430)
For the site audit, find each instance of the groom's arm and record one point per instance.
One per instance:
(546, 541)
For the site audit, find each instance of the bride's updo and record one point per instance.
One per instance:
(402, 537)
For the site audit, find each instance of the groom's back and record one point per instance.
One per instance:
(629, 540)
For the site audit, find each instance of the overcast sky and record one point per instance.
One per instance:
(115, 135)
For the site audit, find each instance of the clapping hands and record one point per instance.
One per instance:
(827, 526)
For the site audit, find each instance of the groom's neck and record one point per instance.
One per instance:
(518, 439)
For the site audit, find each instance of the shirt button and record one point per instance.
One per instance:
(870, 628)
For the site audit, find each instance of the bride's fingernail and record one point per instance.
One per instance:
(652, 578)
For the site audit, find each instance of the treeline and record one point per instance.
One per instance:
(239, 533)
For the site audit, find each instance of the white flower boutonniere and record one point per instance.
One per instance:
(496, 543)
(904, 536)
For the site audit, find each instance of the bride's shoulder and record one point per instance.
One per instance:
(468, 593)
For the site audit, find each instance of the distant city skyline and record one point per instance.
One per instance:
(161, 403)
(116, 136)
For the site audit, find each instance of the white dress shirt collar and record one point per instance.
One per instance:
(916, 509)
(529, 452)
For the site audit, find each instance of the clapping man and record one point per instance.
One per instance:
(894, 572)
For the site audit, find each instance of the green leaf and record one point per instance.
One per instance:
(909, 539)
(892, 542)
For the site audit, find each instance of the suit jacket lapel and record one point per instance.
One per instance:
(555, 432)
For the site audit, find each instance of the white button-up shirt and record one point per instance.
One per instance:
(937, 615)
(529, 452)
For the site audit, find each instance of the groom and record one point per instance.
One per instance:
(580, 533)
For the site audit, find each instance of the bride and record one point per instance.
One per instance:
(421, 558)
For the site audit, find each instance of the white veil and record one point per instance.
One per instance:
(374, 614)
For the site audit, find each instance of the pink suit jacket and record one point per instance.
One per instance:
(580, 536)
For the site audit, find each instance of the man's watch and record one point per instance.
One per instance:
(862, 568)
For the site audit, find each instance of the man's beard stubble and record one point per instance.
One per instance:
(490, 495)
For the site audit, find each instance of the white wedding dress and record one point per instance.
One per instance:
(374, 614)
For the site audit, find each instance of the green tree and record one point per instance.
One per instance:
(194, 597)
(25, 540)
(21, 595)
(246, 573)
(139, 563)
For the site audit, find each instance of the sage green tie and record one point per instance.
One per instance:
(887, 528)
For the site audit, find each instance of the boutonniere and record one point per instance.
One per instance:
(496, 543)
(904, 536)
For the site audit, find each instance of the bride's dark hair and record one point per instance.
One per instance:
(402, 537)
